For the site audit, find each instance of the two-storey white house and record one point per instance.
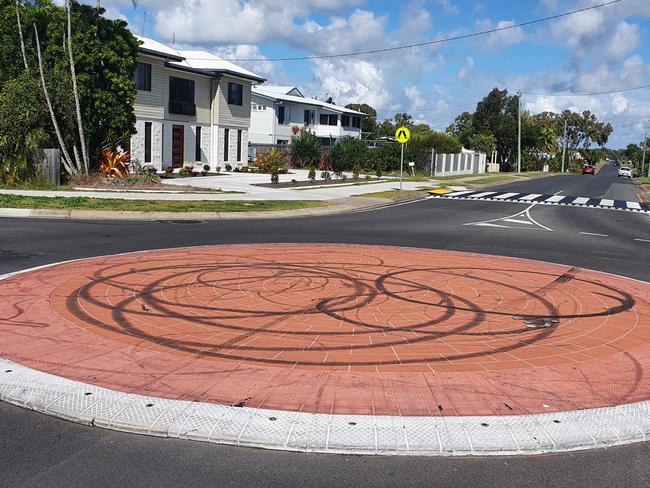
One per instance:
(277, 110)
(192, 108)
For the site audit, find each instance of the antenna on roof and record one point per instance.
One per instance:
(174, 39)
(144, 24)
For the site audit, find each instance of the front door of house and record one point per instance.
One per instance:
(178, 146)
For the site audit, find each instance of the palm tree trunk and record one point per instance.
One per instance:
(82, 138)
(20, 35)
(67, 162)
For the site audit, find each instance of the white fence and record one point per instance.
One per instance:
(458, 164)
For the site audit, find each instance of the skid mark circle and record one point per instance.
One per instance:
(311, 326)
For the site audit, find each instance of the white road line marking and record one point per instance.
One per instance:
(515, 221)
(525, 213)
(592, 234)
(532, 196)
(580, 200)
(534, 221)
(555, 199)
(458, 193)
(488, 224)
(634, 205)
(642, 240)
(481, 195)
(505, 195)
(607, 203)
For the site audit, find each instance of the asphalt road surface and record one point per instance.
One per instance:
(36, 450)
(605, 184)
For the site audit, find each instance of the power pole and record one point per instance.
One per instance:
(645, 144)
(564, 148)
(519, 135)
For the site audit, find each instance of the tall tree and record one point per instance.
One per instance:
(369, 123)
(103, 61)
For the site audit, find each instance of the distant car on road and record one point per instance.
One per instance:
(625, 172)
(588, 169)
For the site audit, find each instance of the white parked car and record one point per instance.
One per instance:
(625, 171)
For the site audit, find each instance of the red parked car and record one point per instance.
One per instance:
(588, 169)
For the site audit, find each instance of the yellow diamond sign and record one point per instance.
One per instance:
(402, 135)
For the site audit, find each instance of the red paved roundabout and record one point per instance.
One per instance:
(336, 329)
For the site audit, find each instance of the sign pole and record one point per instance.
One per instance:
(401, 169)
(402, 135)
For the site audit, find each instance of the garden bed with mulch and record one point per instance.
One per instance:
(317, 183)
(134, 183)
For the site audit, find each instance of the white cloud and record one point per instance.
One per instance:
(448, 7)
(497, 40)
(466, 70)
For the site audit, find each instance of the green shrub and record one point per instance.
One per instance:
(272, 161)
(326, 175)
(275, 177)
(185, 172)
(355, 172)
(348, 153)
(228, 167)
(206, 167)
(306, 150)
(312, 174)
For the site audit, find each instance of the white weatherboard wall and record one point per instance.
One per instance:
(262, 127)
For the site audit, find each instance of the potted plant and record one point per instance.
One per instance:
(206, 169)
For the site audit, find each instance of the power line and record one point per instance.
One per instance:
(415, 110)
(593, 94)
(430, 43)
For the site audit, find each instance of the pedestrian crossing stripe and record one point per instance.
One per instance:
(542, 199)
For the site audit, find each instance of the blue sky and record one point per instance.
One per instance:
(600, 50)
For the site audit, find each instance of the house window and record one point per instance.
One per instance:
(356, 122)
(326, 119)
(226, 142)
(281, 115)
(345, 120)
(181, 96)
(283, 142)
(284, 115)
(147, 142)
(310, 117)
(143, 76)
(235, 94)
(197, 151)
(238, 145)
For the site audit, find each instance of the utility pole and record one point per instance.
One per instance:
(519, 135)
(645, 145)
(564, 148)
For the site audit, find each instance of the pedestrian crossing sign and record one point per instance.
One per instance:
(403, 135)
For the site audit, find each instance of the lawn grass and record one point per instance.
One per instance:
(643, 181)
(113, 205)
(493, 179)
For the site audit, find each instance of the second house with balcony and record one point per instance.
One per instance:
(278, 112)
(192, 109)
